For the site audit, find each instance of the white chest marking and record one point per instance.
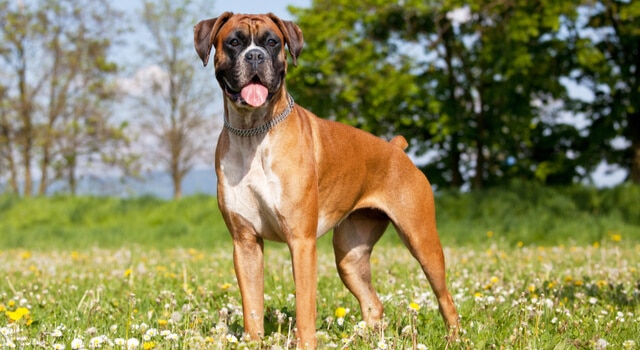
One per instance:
(251, 188)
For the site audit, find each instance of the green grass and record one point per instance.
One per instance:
(529, 267)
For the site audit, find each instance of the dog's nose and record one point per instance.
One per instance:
(255, 57)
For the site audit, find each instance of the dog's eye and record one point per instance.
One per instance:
(234, 43)
(272, 42)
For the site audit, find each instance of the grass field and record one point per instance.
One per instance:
(529, 268)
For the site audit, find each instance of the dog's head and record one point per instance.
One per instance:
(250, 59)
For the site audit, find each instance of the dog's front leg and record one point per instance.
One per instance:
(249, 265)
(303, 255)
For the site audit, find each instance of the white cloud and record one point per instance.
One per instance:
(151, 77)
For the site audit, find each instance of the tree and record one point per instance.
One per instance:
(57, 56)
(464, 89)
(608, 53)
(177, 102)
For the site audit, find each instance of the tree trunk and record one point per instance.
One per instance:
(44, 166)
(177, 186)
(454, 163)
(634, 134)
(26, 133)
(5, 135)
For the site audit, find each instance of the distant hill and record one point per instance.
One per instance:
(155, 183)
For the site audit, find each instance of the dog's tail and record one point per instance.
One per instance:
(399, 141)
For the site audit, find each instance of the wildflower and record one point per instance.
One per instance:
(225, 286)
(58, 346)
(596, 244)
(520, 244)
(96, 342)
(231, 338)
(20, 313)
(132, 343)
(593, 301)
(148, 345)
(489, 234)
(57, 333)
(531, 288)
(162, 322)
(361, 325)
(629, 344)
(601, 344)
(120, 342)
(421, 347)
(382, 345)
(616, 237)
(127, 272)
(77, 344)
(414, 306)
(341, 312)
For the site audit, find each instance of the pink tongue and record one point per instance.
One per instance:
(254, 94)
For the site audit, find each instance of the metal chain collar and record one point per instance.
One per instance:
(264, 127)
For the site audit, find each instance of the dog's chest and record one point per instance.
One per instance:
(251, 188)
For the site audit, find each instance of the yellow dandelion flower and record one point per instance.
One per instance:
(531, 288)
(489, 234)
(12, 303)
(225, 286)
(520, 244)
(127, 272)
(602, 283)
(148, 345)
(25, 255)
(578, 283)
(550, 285)
(596, 244)
(477, 295)
(568, 279)
(494, 279)
(414, 306)
(616, 237)
(15, 316)
(340, 312)
(2, 308)
(162, 322)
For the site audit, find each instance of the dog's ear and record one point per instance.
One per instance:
(292, 36)
(204, 34)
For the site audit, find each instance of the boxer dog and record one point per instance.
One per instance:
(286, 175)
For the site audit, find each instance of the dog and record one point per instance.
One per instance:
(286, 175)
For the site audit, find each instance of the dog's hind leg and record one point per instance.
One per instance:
(417, 230)
(353, 241)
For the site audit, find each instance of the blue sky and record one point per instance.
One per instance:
(240, 6)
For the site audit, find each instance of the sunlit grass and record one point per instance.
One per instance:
(135, 297)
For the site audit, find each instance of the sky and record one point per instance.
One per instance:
(239, 6)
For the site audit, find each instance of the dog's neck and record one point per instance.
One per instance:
(249, 121)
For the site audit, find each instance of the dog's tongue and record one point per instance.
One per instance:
(255, 94)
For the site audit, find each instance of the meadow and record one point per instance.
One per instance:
(530, 267)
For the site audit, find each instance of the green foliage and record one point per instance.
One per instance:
(479, 89)
(74, 223)
(522, 212)
(534, 214)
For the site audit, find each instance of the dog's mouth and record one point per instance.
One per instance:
(254, 93)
